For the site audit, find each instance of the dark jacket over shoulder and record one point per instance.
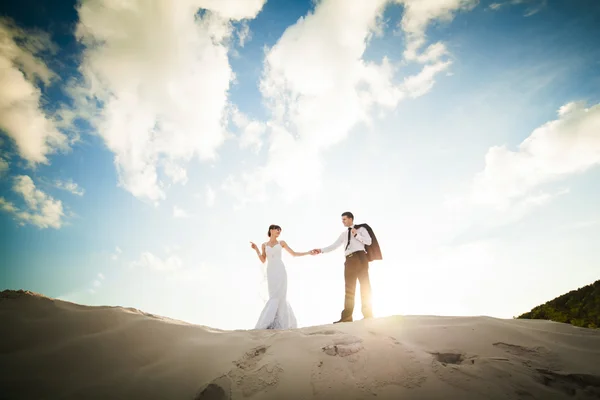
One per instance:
(373, 250)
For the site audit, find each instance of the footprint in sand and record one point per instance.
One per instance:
(531, 357)
(468, 372)
(451, 358)
(250, 376)
(547, 366)
(352, 364)
(325, 332)
(219, 389)
(517, 350)
(581, 385)
(344, 346)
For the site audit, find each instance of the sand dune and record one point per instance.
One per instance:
(51, 349)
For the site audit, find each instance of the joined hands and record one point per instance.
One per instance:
(315, 252)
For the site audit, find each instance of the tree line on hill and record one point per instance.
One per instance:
(579, 307)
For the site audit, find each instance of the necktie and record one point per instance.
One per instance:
(348, 244)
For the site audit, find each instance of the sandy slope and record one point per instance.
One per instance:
(51, 349)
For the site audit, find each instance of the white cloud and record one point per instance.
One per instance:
(310, 83)
(522, 207)
(565, 146)
(115, 255)
(22, 117)
(40, 209)
(418, 85)
(515, 183)
(7, 206)
(252, 131)
(177, 173)
(244, 34)
(469, 222)
(150, 261)
(418, 14)
(179, 213)
(162, 73)
(70, 186)
(78, 296)
(319, 87)
(211, 196)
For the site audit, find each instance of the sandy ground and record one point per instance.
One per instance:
(51, 349)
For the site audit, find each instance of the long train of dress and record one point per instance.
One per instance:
(277, 313)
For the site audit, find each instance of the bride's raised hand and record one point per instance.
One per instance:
(254, 246)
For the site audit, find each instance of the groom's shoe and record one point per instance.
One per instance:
(343, 320)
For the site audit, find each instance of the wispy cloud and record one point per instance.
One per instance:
(70, 186)
(513, 184)
(252, 131)
(176, 173)
(180, 213)
(116, 254)
(533, 6)
(96, 283)
(565, 146)
(39, 208)
(150, 261)
(418, 15)
(211, 196)
(244, 34)
(78, 296)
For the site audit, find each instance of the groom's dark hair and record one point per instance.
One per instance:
(348, 214)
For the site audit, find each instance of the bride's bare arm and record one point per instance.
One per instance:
(262, 257)
(292, 252)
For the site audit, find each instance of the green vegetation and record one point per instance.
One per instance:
(579, 307)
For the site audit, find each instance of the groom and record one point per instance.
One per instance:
(356, 266)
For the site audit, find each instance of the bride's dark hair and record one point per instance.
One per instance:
(273, 227)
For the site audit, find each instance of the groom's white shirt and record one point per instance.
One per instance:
(357, 243)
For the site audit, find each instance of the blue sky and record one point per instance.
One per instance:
(142, 148)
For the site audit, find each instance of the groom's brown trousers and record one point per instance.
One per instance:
(357, 267)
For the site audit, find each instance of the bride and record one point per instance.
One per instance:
(277, 313)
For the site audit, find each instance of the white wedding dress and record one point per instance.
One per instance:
(277, 313)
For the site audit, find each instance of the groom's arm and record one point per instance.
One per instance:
(335, 244)
(362, 235)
